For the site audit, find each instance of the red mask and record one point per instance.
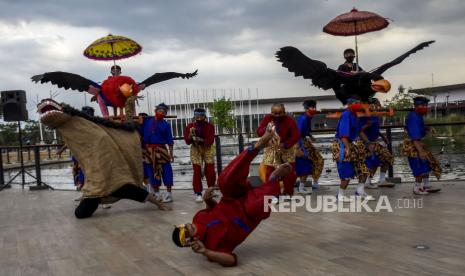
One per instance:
(355, 107)
(311, 112)
(159, 115)
(422, 110)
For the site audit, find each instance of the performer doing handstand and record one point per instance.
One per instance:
(218, 229)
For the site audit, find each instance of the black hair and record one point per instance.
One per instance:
(420, 100)
(175, 236)
(200, 110)
(309, 103)
(349, 50)
(162, 106)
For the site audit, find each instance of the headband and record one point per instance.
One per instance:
(179, 238)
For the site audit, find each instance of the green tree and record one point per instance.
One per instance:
(222, 113)
(9, 134)
(31, 131)
(402, 99)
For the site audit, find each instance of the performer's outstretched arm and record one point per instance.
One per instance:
(223, 259)
(208, 197)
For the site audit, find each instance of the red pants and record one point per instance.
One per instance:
(288, 180)
(210, 175)
(234, 185)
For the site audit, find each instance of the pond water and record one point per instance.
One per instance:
(451, 155)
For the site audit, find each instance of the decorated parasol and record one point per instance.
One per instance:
(355, 23)
(112, 47)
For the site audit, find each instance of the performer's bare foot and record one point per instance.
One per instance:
(266, 138)
(157, 201)
(281, 171)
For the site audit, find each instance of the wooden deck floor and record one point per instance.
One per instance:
(40, 236)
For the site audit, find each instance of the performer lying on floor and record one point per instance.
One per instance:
(108, 152)
(221, 227)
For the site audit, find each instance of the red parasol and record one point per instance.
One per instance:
(355, 23)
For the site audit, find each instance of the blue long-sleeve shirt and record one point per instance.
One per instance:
(415, 126)
(156, 132)
(347, 126)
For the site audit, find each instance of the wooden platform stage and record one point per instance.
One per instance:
(39, 235)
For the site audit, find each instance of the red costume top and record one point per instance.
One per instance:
(203, 129)
(286, 128)
(225, 226)
(111, 93)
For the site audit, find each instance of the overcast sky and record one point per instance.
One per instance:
(232, 43)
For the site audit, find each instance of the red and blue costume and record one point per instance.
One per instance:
(226, 225)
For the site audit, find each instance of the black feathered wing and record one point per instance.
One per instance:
(381, 69)
(66, 80)
(301, 65)
(159, 77)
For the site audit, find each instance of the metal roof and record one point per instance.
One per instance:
(438, 89)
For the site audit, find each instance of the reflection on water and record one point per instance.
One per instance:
(452, 160)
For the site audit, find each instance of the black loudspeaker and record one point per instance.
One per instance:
(14, 105)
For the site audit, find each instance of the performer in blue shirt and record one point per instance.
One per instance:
(420, 159)
(349, 163)
(308, 160)
(157, 141)
(376, 154)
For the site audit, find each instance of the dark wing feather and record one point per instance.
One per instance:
(380, 70)
(159, 77)
(65, 80)
(301, 65)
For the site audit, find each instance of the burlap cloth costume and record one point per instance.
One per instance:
(109, 157)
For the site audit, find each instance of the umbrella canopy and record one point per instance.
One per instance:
(112, 47)
(355, 23)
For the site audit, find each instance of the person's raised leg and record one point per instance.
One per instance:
(233, 179)
(289, 181)
(257, 198)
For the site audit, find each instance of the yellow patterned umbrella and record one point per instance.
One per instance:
(112, 47)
